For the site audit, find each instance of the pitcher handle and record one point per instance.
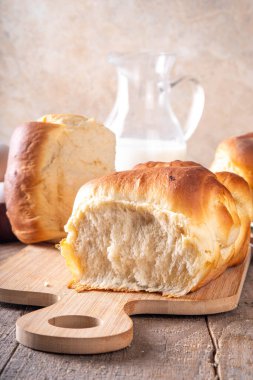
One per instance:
(197, 106)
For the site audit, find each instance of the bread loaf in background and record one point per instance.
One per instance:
(6, 234)
(236, 155)
(48, 161)
(4, 150)
(162, 227)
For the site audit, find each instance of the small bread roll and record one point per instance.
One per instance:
(48, 162)
(236, 155)
(241, 193)
(161, 227)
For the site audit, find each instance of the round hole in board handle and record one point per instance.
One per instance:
(75, 321)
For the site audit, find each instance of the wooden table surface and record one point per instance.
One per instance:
(164, 347)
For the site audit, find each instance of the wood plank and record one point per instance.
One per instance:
(8, 316)
(232, 335)
(7, 250)
(9, 313)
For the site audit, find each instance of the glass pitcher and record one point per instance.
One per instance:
(142, 118)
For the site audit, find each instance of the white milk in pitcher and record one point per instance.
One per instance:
(130, 152)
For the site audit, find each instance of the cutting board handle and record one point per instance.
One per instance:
(92, 324)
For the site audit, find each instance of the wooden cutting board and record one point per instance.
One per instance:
(94, 321)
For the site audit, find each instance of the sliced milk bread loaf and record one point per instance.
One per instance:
(48, 161)
(162, 227)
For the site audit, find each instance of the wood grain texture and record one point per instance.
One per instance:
(233, 337)
(94, 321)
(8, 316)
(163, 347)
(8, 250)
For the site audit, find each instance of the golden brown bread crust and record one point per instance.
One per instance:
(158, 164)
(21, 178)
(185, 188)
(241, 150)
(241, 193)
(236, 155)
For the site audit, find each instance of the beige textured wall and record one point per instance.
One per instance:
(53, 58)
